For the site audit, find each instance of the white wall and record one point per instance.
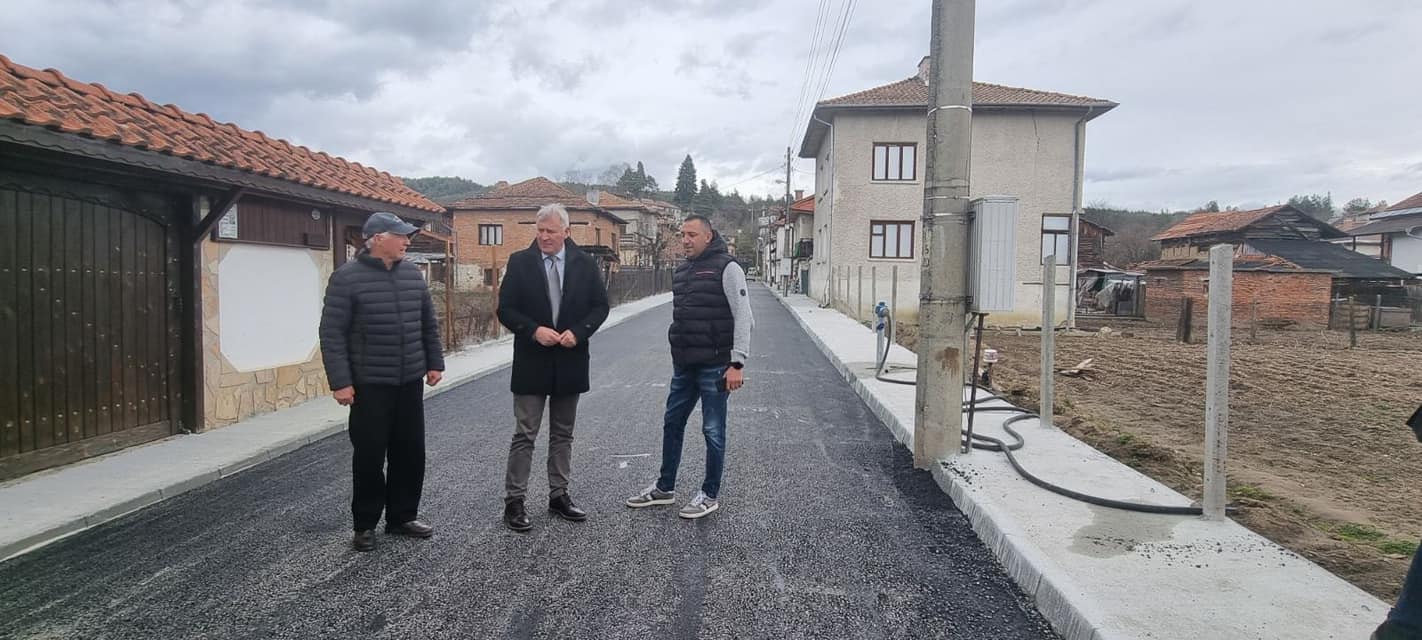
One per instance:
(1031, 156)
(1407, 253)
(269, 305)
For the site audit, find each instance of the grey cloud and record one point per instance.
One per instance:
(561, 74)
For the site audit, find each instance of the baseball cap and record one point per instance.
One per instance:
(385, 222)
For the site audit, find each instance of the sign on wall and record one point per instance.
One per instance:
(227, 226)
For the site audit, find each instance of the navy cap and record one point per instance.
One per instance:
(384, 222)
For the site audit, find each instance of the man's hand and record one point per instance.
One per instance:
(546, 336)
(734, 378)
(567, 339)
(345, 396)
(432, 378)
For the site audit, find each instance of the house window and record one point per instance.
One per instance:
(895, 161)
(489, 275)
(491, 234)
(1056, 238)
(889, 239)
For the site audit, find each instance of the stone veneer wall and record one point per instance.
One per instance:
(230, 395)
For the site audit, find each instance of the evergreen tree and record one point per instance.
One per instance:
(685, 183)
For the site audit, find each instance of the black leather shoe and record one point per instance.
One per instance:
(564, 508)
(413, 529)
(364, 540)
(515, 518)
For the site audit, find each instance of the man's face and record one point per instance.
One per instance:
(551, 234)
(389, 246)
(695, 235)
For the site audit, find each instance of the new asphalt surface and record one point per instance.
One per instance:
(825, 531)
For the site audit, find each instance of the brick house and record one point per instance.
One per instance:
(647, 231)
(161, 272)
(1285, 263)
(488, 227)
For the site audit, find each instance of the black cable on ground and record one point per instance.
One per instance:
(987, 443)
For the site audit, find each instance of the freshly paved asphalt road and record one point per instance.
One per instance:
(825, 531)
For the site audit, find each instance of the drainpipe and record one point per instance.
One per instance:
(829, 231)
(1079, 164)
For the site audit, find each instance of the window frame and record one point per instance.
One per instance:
(883, 234)
(1058, 237)
(493, 229)
(912, 165)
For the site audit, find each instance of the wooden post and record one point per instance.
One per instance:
(1254, 320)
(1049, 324)
(1187, 320)
(1352, 322)
(1217, 379)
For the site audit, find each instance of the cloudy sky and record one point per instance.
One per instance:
(1244, 102)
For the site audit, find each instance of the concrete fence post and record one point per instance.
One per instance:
(1049, 346)
(1217, 379)
(859, 302)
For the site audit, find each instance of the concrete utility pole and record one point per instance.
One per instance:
(1217, 379)
(938, 414)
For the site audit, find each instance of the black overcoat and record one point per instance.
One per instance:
(523, 307)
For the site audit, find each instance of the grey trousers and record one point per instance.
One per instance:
(528, 416)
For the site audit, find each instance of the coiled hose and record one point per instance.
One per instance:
(988, 443)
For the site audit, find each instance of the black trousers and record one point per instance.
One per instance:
(387, 430)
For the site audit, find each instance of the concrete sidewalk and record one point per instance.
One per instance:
(1099, 573)
(43, 507)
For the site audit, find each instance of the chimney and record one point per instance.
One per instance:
(925, 69)
(593, 195)
(799, 194)
(501, 184)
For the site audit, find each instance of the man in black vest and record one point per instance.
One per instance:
(710, 342)
(379, 337)
(553, 300)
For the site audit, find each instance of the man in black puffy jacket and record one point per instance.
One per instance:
(379, 341)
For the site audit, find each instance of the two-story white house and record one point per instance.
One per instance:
(869, 150)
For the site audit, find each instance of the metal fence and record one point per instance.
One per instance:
(633, 283)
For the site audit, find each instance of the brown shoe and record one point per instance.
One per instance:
(413, 529)
(364, 540)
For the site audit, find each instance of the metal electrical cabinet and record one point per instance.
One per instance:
(992, 267)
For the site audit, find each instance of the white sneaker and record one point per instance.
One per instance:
(699, 507)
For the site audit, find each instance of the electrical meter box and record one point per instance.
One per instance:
(992, 270)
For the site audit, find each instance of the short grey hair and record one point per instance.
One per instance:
(550, 210)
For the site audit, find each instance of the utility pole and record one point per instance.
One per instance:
(942, 306)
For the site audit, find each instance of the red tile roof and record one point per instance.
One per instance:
(1205, 223)
(913, 92)
(609, 200)
(529, 194)
(1414, 202)
(804, 205)
(50, 99)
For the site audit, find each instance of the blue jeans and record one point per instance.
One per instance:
(1408, 611)
(689, 384)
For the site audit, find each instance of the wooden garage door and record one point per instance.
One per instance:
(86, 329)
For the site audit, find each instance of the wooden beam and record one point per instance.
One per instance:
(215, 213)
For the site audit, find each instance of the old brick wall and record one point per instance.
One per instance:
(1300, 298)
(519, 231)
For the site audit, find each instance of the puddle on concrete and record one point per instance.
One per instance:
(1114, 532)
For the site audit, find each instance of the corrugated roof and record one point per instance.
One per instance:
(1396, 224)
(50, 99)
(1343, 262)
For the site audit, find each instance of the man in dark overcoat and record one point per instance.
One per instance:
(553, 300)
(379, 341)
